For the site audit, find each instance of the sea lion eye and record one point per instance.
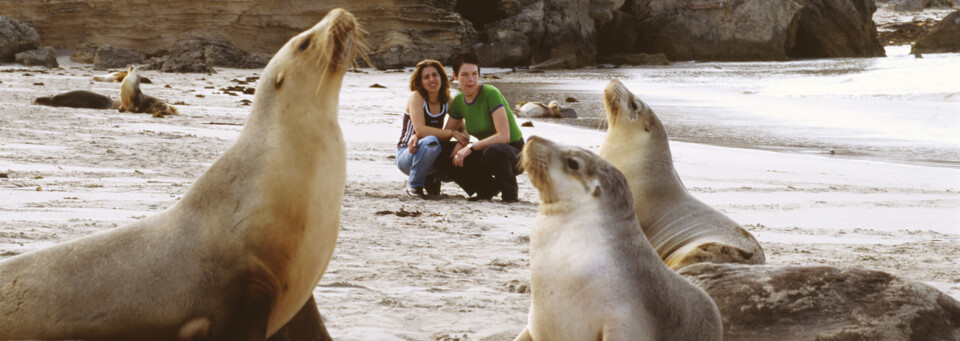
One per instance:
(305, 44)
(633, 105)
(573, 164)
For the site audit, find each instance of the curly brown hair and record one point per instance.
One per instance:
(416, 84)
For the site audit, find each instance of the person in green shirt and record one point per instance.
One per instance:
(488, 166)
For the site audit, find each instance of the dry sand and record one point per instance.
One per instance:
(409, 269)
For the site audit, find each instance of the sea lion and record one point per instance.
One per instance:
(540, 110)
(681, 228)
(593, 274)
(134, 100)
(769, 302)
(118, 76)
(79, 99)
(240, 254)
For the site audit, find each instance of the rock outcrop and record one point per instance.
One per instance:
(44, 56)
(16, 37)
(945, 37)
(401, 32)
(768, 302)
(507, 33)
(109, 57)
(743, 29)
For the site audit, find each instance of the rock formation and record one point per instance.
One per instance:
(945, 37)
(743, 29)
(547, 33)
(16, 37)
(768, 302)
(109, 57)
(44, 56)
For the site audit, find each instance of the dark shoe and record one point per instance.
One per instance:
(432, 186)
(415, 192)
(509, 200)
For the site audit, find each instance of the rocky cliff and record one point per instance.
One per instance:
(944, 38)
(559, 33)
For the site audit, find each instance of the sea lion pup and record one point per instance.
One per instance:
(240, 254)
(770, 302)
(593, 274)
(79, 99)
(135, 101)
(681, 228)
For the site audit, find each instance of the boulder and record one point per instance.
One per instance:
(86, 53)
(743, 29)
(718, 30)
(173, 64)
(510, 42)
(769, 302)
(16, 37)
(109, 57)
(44, 56)
(836, 28)
(944, 38)
(212, 52)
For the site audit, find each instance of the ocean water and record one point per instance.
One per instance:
(898, 108)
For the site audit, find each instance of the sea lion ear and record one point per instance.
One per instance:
(647, 123)
(597, 192)
(277, 83)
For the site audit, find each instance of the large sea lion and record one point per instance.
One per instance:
(79, 99)
(134, 100)
(681, 228)
(540, 110)
(768, 302)
(593, 274)
(240, 254)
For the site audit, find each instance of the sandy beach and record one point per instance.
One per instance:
(446, 269)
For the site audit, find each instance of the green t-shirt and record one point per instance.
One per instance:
(478, 114)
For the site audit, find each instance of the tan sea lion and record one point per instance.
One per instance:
(79, 99)
(135, 101)
(770, 302)
(683, 229)
(240, 254)
(593, 274)
(118, 76)
(540, 110)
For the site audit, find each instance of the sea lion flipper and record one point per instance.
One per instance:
(524, 335)
(306, 325)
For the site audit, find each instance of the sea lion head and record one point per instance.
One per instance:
(625, 110)
(573, 175)
(329, 47)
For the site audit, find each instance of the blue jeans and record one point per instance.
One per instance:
(419, 164)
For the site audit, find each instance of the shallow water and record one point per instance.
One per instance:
(898, 109)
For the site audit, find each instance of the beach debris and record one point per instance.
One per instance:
(377, 86)
(400, 213)
(527, 124)
(571, 100)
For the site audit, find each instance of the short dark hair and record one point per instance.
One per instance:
(465, 57)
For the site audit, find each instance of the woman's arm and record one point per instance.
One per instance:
(420, 127)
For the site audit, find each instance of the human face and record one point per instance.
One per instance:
(469, 79)
(430, 80)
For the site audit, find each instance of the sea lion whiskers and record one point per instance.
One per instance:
(347, 40)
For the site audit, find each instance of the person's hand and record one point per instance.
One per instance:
(461, 155)
(461, 137)
(412, 144)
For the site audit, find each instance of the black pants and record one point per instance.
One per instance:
(486, 172)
